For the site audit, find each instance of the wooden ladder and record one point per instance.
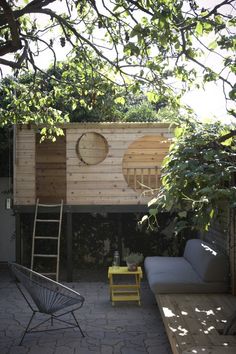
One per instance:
(53, 238)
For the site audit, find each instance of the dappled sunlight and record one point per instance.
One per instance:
(209, 249)
(181, 331)
(209, 329)
(207, 312)
(184, 313)
(168, 312)
(195, 322)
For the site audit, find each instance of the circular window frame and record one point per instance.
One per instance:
(84, 158)
(141, 163)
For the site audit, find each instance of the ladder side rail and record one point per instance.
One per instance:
(58, 242)
(34, 230)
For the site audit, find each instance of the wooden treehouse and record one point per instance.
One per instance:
(93, 164)
(93, 168)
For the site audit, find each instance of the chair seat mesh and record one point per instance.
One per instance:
(48, 295)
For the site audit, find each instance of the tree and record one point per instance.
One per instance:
(197, 175)
(74, 92)
(154, 42)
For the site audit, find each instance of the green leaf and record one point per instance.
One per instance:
(153, 97)
(144, 218)
(136, 30)
(74, 106)
(178, 132)
(213, 45)
(212, 213)
(227, 142)
(182, 214)
(120, 100)
(153, 212)
(152, 202)
(131, 49)
(199, 28)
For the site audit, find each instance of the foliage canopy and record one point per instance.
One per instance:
(76, 91)
(198, 175)
(158, 43)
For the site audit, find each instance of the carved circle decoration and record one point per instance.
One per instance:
(142, 162)
(92, 148)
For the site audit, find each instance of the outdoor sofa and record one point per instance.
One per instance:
(202, 269)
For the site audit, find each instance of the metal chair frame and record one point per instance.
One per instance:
(19, 273)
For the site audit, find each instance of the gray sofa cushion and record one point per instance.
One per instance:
(176, 275)
(211, 265)
(179, 275)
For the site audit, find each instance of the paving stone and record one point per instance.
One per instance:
(159, 350)
(130, 350)
(19, 350)
(106, 349)
(125, 328)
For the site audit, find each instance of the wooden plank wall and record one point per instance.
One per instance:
(232, 251)
(222, 234)
(100, 184)
(105, 183)
(51, 170)
(232, 243)
(219, 232)
(24, 166)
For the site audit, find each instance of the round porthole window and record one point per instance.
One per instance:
(142, 162)
(92, 148)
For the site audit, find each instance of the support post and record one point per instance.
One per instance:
(69, 239)
(120, 234)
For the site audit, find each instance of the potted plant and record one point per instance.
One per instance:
(133, 260)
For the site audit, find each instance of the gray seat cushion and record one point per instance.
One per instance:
(210, 264)
(178, 274)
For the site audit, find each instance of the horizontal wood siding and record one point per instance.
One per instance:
(218, 234)
(105, 183)
(142, 162)
(222, 234)
(51, 170)
(57, 171)
(24, 166)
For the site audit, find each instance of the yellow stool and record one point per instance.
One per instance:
(125, 292)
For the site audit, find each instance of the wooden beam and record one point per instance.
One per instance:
(69, 241)
(100, 209)
(120, 234)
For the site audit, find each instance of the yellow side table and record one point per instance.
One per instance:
(127, 291)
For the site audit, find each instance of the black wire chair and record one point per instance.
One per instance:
(50, 297)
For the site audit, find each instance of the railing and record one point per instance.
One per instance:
(142, 178)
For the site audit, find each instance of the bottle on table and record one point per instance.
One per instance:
(116, 259)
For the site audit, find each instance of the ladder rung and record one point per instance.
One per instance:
(39, 210)
(49, 205)
(46, 255)
(47, 220)
(46, 237)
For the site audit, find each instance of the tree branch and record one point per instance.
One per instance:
(15, 43)
(16, 64)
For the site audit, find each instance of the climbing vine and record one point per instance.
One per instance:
(197, 175)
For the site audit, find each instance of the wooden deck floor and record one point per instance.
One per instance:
(192, 322)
